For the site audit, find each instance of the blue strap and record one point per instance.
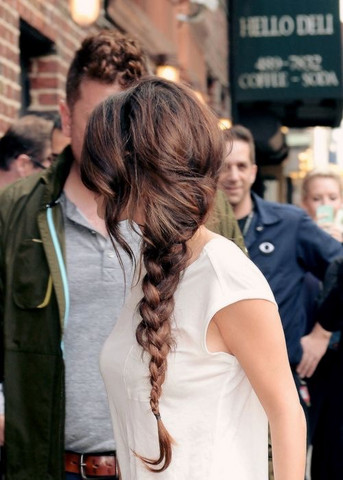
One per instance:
(61, 265)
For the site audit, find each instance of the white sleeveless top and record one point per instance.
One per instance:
(207, 405)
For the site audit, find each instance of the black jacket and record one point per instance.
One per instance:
(330, 305)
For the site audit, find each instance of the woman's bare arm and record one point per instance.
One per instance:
(251, 330)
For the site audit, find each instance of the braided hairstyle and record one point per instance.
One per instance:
(155, 148)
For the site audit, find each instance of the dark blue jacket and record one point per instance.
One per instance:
(285, 243)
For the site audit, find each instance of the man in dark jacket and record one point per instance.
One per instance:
(284, 243)
(25, 148)
(326, 458)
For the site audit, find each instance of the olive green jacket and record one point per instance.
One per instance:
(222, 221)
(32, 308)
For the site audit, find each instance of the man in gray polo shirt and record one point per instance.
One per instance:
(61, 289)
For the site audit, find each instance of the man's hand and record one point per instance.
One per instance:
(2, 429)
(314, 346)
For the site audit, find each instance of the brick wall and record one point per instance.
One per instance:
(46, 73)
(156, 28)
(9, 64)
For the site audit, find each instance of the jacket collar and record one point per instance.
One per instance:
(55, 176)
(267, 214)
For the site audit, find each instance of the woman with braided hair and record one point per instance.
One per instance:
(196, 363)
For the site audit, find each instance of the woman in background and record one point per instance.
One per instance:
(323, 188)
(322, 198)
(197, 363)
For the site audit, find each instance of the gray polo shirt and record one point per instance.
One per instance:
(97, 292)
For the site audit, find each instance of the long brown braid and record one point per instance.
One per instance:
(155, 146)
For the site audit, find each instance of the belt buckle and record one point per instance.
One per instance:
(82, 465)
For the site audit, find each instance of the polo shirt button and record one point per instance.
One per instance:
(110, 254)
(259, 228)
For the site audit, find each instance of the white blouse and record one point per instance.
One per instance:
(207, 404)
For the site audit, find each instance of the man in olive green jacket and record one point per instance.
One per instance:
(33, 304)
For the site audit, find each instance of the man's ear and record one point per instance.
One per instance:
(23, 165)
(65, 118)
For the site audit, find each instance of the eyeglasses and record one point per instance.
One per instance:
(38, 164)
(52, 157)
(48, 161)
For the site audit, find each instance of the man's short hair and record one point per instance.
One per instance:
(28, 135)
(109, 57)
(243, 134)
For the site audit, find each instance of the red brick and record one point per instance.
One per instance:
(48, 99)
(47, 66)
(43, 82)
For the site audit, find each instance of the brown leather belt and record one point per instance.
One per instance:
(91, 465)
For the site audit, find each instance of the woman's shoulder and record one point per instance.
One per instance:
(234, 270)
(219, 247)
